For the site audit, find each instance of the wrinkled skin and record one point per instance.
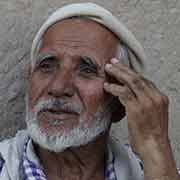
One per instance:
(66, 78)
(67, 81)
(147, 114)
(146, 107)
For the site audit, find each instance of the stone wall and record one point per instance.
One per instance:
(156, 23)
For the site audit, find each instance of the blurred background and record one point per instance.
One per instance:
(155, 23)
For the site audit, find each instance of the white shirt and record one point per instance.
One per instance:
(126, 164)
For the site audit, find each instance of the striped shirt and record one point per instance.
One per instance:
(34, 171)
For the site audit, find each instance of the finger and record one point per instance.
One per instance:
(144, 89)
(156, 95)
(132, 80)
(150, 87)
(124, 94)
(124, 67)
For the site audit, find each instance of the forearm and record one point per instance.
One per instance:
(159, 163)
(147, 115)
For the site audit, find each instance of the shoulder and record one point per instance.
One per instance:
(135, 156)
(125, 151)
(14, 144)
(127, 163)
(11, 152)
(125, 154)
(1, 163)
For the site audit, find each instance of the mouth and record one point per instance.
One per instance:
(57, 117)
(59, 113)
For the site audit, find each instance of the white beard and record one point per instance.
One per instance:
(77, 136)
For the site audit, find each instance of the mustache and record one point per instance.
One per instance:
(57, 104)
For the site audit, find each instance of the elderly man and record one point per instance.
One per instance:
(83, 78)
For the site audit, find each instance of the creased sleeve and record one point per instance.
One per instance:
(1, 163)
(179, 171)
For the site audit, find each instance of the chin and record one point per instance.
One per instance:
(60, 141)
(79, 135)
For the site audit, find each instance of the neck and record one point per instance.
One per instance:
(84, 162)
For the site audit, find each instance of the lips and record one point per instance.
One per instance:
(60, 111)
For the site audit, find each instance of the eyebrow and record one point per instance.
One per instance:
(91, 62)
(42, 56)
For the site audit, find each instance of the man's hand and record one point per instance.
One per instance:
(147, 114)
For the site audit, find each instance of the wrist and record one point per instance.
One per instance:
(158, 160)
(153, 147)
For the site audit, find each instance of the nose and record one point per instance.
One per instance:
(61, 85)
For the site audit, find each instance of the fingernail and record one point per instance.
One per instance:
(108, 66)
(114, 60)
(105, 84)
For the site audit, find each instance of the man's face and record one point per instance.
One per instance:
(68, 77)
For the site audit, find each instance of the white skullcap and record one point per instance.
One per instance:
(96, 13)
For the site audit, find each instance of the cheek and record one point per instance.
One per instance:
(37, 87)
(92, 94)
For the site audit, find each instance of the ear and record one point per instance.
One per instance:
(118, 111)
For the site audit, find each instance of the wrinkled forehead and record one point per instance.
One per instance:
(83, 34)
(81, 27)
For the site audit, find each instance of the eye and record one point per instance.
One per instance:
(87, 70)
(47, 65)
(87, 67)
